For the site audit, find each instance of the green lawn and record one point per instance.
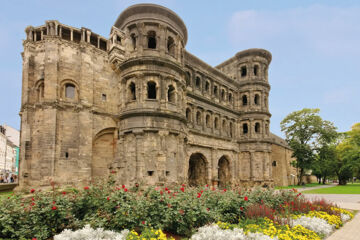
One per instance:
(4, 195)
(347, 189)
(297, 186)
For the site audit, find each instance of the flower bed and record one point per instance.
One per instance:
(190, 212)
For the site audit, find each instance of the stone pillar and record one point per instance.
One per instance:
(252, 167)
(71, 34)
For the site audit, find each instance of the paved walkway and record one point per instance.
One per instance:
(311, 188)
(351, 230)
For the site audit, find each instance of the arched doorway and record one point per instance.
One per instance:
(197, 173)
(224, 172)
(103, 153)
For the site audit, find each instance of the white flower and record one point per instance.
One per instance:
(318, 225)
(87, 233)
(214, 232)
(259, 236)
(345, 217)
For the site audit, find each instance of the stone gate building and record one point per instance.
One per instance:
(139, 106)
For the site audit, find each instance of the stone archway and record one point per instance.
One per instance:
(103, 153)
(197, 174)
(224, 174)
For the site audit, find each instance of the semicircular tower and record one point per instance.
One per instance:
(146, 50)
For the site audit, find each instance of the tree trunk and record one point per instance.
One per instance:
(301, 175)
(342, 181)
(324, 180)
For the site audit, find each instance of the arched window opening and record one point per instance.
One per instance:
(245, 128)
(198, 117)
(118, 39)
(151, 90)
(133, 41)
(230, 97)
(244, 100)
(223, 94)
(132, 91)
(207, 121)
(224, 126)
(231, 129)
(151, 39)
(207, 86)
(171, 94)
(70, 90)
(257, 127)
(197, 82)
(256, 70)
(216, 123)
(40, 91)
(188, 114)
(243, 71)
(274, 163)
(256, 99)
(171, 46)
(187, 78)
(215, 91)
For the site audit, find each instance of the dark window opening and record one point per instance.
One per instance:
(274, 163)
(244, 100)
(103, 97)
(230, 97)
(245, 128)
(152, 40)
(256, 99)
(187, 79)
(151, 88)
(118, 39)
(69, 90)
(207, 120)
(76, 36)
(257, 127)
(216, 123)
(150, 173)
(133, 41)
(197, 82)
(103, 45)
(256, 70)
(224, 125)
(198, 118)
(243, 71)
(93, 40)
(231, 129)
(66, 155)
(215, 91)
(265, 101)
(167, 173)
(188, 114)
(171, 94)
(66, 34)
(171, 46)
(38, 36)
(40, 91)
(207, 85)
(223, 94)
(132, 91)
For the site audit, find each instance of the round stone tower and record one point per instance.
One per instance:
(146, 50)
(254, 121)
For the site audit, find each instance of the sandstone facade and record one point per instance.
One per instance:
(141, 107)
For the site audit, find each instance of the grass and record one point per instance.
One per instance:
(339, 189)
(302, 186)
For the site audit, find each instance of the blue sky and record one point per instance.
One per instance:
(315, 46)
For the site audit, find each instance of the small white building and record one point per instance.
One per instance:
(9, 143)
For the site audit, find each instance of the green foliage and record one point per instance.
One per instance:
(305, 131)
(44, 214)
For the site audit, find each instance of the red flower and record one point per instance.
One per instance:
(241, 208)
(169, 192)
(123, 186)
(246, 198)
(166, 189)
(182, 189)
(137, 185)
(32, 199)
(183, 185)
(34, 239)
(143, 222)
(225, 190)
(125, 190)
(207, 209)
(199, 195)
(54, 208)
(32, 190)
(299, 194)
(202, 191)
(86, 188)
(207, 185)
(108, 198)
(181, 212)
(161, 192)
(32, 204)
(63, 193)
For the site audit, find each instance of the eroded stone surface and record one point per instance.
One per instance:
(141, 107)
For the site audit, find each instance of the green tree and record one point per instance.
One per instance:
(348, 150)
(305, 131)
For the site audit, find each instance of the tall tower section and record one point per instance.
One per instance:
(146, 52)
(250, 69)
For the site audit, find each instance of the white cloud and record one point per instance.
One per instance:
(329, 30)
